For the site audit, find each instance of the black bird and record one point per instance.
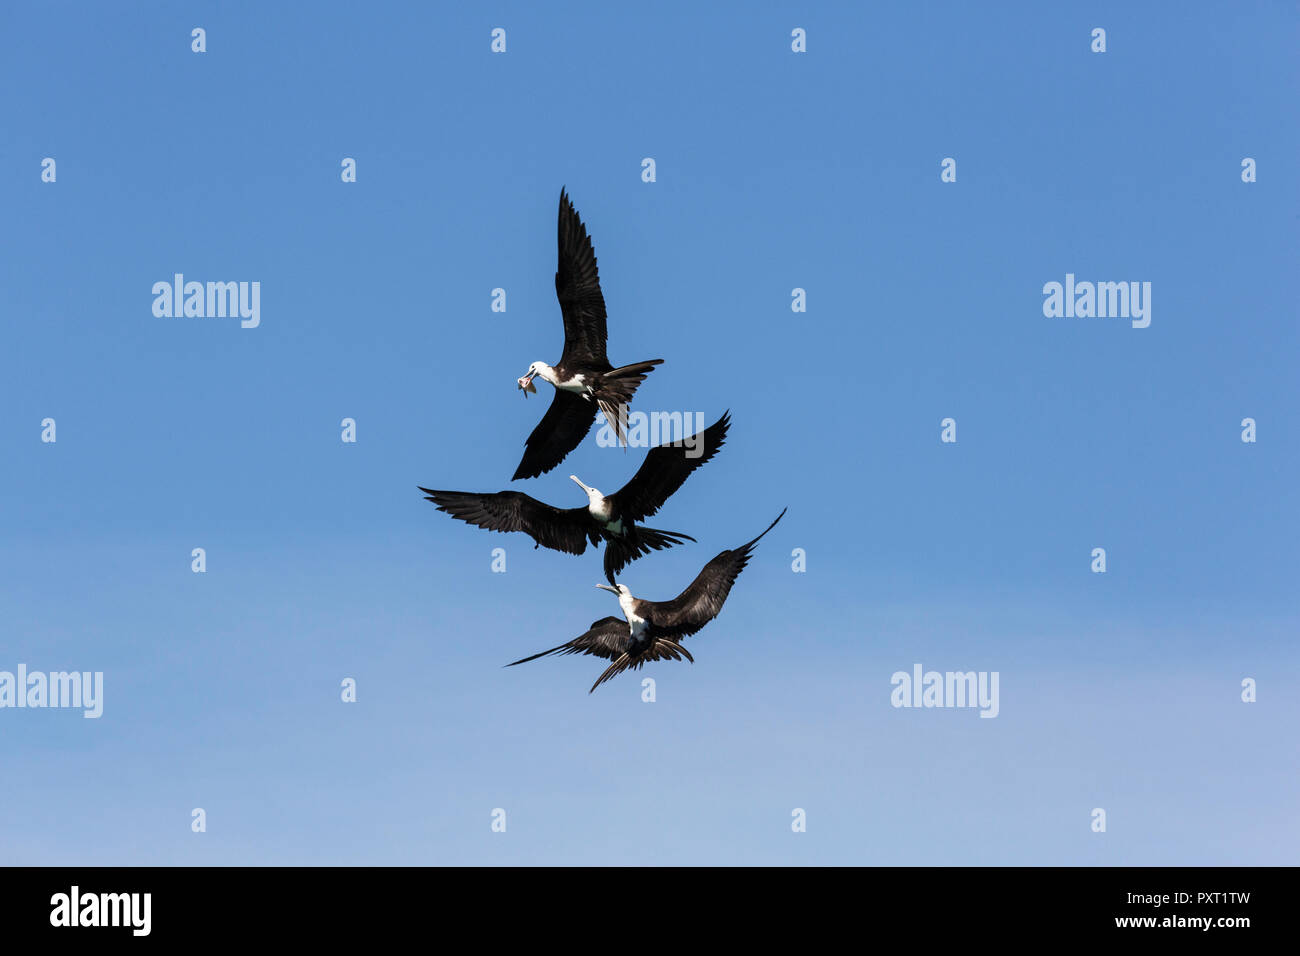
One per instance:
(583, 378)
(654, 630)
(611, 518)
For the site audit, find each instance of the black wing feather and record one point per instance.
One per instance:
(703, 597)
(561, 430)
(561, 529)
(666, 468)
(608, 637)
(577, 286)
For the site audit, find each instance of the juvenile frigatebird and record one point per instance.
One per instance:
(583, 378)
(653, 630)
(611, 518)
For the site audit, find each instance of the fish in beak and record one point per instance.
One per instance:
(526, 384)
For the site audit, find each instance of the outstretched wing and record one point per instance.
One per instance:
(666, 468)
(560, 431)
(704, 597)
(661, 650)
(559, 529)
(577, 286)
(608, 637)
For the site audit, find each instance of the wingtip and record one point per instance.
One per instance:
(771, 526)
(558, 649)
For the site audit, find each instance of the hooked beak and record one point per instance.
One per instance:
(579, 481)
(606, 587)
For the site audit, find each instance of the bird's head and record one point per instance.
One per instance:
(618, 590)
(593, 494)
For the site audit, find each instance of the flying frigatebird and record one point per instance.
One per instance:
(583, 378)
(653, 630)
(611, 518)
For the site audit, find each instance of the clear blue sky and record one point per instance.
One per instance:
(775, 170)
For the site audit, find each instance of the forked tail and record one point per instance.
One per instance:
(622, 551)
(662, 649)
(615, 393)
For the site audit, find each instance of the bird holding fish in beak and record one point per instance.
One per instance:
(585, 384)
(584, 379)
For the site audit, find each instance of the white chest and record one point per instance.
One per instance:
(636, 623)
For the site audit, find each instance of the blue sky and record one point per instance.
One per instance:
(775, 170)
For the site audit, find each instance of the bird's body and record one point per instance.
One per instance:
(638, 626)
(565, 382)
(612, 519)
(584, 379)
(654, 630)
(604, 509)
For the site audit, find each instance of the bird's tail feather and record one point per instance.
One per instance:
(662, 649)
(622, 551)
(616, 389)
(620, 664)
